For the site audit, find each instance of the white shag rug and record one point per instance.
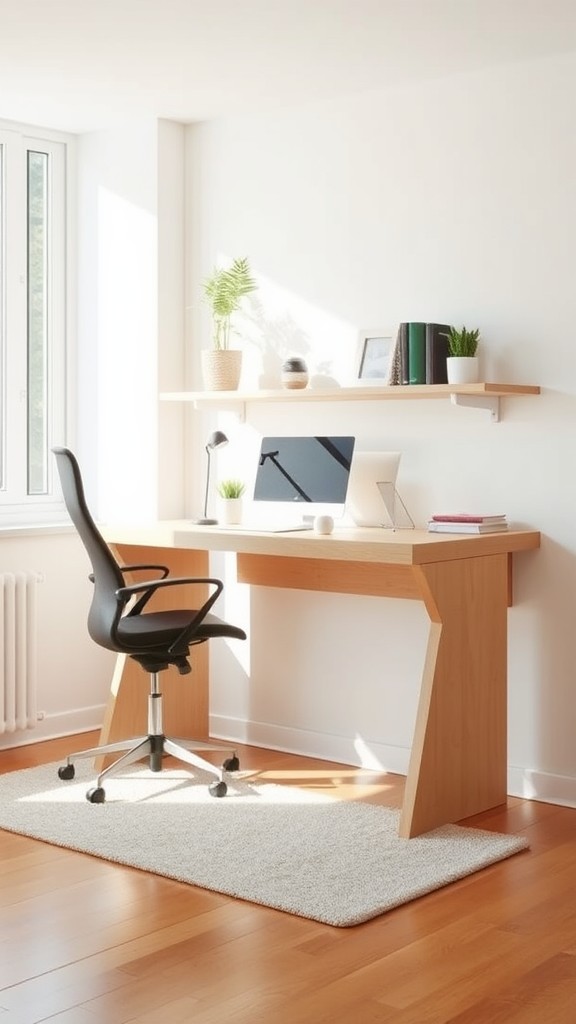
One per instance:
(338, 862)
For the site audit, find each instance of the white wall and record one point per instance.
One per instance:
(450, 200)
(130, 318)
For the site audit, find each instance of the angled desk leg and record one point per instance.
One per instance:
(458, 760)
(185, 703)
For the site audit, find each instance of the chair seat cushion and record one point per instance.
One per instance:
(158, 630)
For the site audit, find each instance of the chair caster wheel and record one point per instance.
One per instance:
(96, 795)
(217, 789)
(66, 771)
(231, 764)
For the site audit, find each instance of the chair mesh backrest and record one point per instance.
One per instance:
(104, 610)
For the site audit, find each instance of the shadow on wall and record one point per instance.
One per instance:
(268, 341)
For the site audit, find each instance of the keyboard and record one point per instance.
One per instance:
(257, 526)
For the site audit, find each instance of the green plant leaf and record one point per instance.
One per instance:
(231, 488)
(224, 291)
(463, 342)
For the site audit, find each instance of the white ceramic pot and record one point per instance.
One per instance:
(230, 511)
(462, 369)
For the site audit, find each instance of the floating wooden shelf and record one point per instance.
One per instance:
(484, 396)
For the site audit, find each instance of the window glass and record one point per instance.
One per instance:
(37, 322)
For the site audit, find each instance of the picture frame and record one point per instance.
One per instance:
(375, 356)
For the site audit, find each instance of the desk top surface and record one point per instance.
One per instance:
(359, 544)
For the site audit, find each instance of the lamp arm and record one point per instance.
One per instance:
(207, 483)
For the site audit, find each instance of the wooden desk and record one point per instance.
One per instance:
(458, 763)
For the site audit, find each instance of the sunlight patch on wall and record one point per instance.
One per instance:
(277, 323)
(366, 755)
(234, 607)
(127, 359)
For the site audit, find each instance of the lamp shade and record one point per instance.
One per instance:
(216, 440)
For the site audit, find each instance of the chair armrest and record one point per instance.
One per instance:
(149, 587)
(134, 568)
(135, 588)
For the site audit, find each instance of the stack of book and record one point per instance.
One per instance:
(423, 352)
(467, 522)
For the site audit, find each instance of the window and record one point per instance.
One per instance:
(33, 292)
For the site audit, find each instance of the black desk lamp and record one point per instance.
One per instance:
(216, 440)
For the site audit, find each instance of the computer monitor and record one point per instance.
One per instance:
(304, 476)
(365, 503)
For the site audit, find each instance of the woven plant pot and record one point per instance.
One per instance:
(221, 369)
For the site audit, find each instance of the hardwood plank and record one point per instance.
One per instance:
(543, 994)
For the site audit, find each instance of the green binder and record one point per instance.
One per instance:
(417, 353)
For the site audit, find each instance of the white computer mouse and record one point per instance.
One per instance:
(323, 524)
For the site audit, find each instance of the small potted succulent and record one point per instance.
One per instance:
(224, 291)
(462, 361)
(231, 492)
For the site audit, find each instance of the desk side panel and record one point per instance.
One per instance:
(458, 761)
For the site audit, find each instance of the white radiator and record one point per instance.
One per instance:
(18, 658)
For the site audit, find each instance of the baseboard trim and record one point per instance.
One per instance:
(51, 727)
(535, 785)
(326, 747)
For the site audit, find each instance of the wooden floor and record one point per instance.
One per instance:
(83, 941)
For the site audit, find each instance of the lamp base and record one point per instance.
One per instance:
(204, 522)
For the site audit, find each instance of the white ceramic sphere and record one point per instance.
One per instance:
(323, 524)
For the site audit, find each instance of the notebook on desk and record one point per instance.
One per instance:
(297, 479)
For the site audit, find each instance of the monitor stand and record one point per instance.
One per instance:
(397, 515)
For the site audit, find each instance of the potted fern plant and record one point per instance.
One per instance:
(462, 361)
(224, 291)
(231, 492)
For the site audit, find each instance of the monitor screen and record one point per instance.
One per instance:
(311, 472)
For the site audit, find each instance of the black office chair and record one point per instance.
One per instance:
(118, 621)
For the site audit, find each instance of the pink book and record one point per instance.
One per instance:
(467, 517)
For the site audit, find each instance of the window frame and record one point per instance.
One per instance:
(17, 506)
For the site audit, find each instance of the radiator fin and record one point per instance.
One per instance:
(18, 662)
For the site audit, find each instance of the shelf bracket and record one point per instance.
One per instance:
(491, 403)
(236, 406)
